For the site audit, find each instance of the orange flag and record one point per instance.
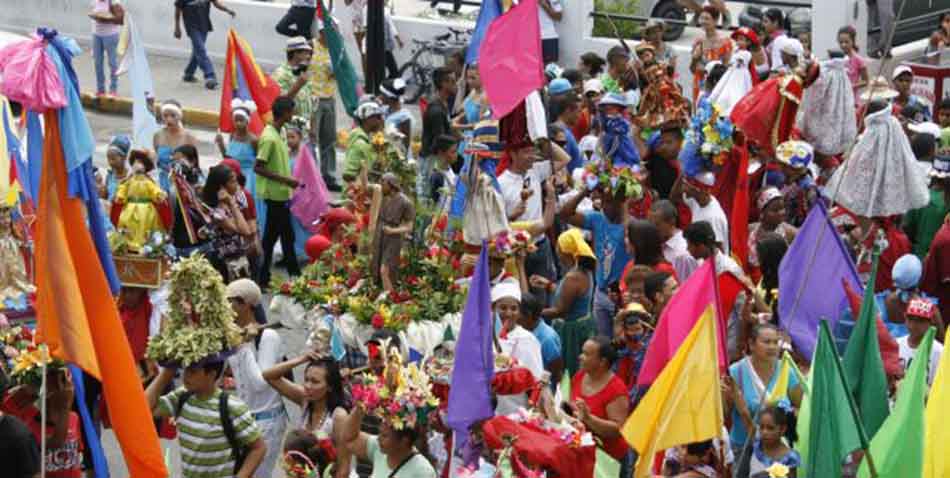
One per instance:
(77, 315)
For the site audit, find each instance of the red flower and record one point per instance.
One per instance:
(339, 254)
(378, 321)
(456, 264)
(285, 288)
(442, 223)
(412, 280)
(312, 284)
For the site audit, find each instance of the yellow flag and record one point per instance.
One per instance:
(780, 389)
(936, 418)
(684, 404)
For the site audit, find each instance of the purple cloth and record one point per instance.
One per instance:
(470, 393)
(809, 280)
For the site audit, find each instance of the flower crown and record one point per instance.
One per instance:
(612, 180)
(708, 141)
(402, 395)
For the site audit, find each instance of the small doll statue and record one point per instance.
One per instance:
(136, 208)
(14, 281)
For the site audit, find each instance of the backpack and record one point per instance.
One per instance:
(238, 452)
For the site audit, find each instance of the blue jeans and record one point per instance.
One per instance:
(106, 45)
(199, 56)
(604, 311)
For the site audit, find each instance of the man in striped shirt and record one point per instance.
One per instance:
(206, 451)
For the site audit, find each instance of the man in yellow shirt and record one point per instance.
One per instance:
(323, 118)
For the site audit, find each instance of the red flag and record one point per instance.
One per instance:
(890, 352)
(509, 60)
(739, 216)
(244, 79)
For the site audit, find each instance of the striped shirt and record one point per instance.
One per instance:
(205, 451)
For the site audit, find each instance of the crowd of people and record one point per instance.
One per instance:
(595, 200)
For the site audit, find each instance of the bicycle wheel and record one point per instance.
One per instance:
(417, 78)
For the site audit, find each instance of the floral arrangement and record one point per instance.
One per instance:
(23, 357)
(403, 395)
(709, 140)
(777, 470)
(426, 291)
(390, 159)
(612, 180)
(573, 434)
(200, 322)
(512, 243)
(159, 245)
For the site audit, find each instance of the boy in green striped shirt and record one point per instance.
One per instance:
(206, 451)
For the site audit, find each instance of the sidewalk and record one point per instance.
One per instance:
(200, 104)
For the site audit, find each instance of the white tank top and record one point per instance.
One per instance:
(100, 28)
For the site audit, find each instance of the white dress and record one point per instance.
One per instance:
(827, 115)
(882, 177)
(735, 83)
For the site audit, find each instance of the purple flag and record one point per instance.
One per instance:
(809, 280)
(470, 394)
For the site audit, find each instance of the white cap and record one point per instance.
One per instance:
(594, 85)
(246, 290)
(926, 127)
(368, 109)
(792, 46)
(506, 288)
(900, 70)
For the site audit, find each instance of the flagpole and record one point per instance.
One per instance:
(43, 413)
(862, 434)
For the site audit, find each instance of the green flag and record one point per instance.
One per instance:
(832, 429)
(342, 67)
(898, 447)
(863, 364)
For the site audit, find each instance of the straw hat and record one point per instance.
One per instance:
(878, 89)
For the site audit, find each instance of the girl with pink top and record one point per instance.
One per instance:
(856, 67)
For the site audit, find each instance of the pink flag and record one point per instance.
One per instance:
(509, 60)
(678, 318)
(311, 199)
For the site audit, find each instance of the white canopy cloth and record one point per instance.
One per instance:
(881, 177)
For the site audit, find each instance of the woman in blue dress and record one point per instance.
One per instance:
(166, 140)
(751, 379)
(242, 147)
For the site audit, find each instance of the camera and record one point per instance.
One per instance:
(299, 69)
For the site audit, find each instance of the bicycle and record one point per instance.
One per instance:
(417, 72)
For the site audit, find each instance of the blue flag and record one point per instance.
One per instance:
(470, 393)
(99, 463)
(489, 11)
(811, 276)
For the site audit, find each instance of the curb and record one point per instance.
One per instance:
(123, 106)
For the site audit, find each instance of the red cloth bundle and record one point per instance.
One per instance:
(540, 449)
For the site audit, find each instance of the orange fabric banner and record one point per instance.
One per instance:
(77, 315)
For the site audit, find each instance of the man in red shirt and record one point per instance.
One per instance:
(63, 436)
(936, 279)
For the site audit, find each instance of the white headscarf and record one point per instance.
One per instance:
(882, 177)
(734, 84)
(827, 117)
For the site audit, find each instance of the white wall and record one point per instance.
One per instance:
(255, 22)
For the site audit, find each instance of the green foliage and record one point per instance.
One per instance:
(628, 29)
(200, 322)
